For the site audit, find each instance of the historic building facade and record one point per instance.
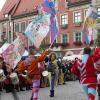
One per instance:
(17, 14)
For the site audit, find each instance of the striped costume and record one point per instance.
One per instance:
(87, 73)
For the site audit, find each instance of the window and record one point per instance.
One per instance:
(98, 9)
(98, 31)
(77, 17)
(23, 26)
(64, 19)
(17, 27)
(64, 38)
(78, 36)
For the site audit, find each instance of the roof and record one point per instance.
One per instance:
(18, 7)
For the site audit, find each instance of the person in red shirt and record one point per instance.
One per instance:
(33, 72)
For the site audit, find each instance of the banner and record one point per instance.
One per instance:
(50, 6)
(12, 55)
(23, 38)
(89, 23)
(38, 29)
(19, 46)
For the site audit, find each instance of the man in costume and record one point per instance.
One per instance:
(85, 69)
(33, 72)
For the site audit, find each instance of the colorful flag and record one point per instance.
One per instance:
(12, 55)
(89, 23)
(18, 46)
(8, 55)
(50, 7)
(38, 29)
(91, 16)
(53, 28)
(23, 38)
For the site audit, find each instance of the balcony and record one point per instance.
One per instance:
(78, 24)
(64, 26)
(78, 43)
(73, 3)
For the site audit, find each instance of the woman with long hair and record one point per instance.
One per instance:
(53, 72)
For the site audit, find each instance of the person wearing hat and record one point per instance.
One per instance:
(87, 72)
(33, 72)
(53, 72)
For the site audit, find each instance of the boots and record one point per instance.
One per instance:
(51, 93)
(28, 87)
(9, 88)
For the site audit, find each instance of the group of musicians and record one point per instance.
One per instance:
(6, 83)
(29, 73)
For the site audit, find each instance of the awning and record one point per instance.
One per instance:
(72, 57)
(69, 53)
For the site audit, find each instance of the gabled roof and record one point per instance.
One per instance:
(10, 6)
(18, 7)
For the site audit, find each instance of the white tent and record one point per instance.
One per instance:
(4, 47)
(72, 57)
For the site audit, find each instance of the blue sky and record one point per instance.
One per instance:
(2, 3)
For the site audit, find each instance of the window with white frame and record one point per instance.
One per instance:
(23, 26)
(77, 17)
(78, 36)
(98, 31)
(98, 9)
(64, 38)
(16, 27)
(64, 19)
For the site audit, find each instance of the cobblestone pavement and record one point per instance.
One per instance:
(70, 91)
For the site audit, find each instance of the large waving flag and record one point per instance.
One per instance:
(38, 29)
(12, 55)
(49, 6)
(89, 23)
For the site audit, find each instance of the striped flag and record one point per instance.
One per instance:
(50, 7)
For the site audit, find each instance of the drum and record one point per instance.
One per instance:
(45, 73)
(2, 76)
(14, 78)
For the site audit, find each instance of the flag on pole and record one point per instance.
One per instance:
(89, 23)
(50, 7)
(38, 29)
(91, 16)
(12, 55)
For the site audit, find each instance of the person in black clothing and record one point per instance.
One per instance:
(61, 67)
(7, 70)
